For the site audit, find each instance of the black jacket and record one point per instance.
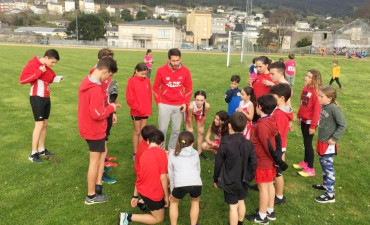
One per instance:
(235, 164)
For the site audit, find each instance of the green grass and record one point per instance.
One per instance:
(53, 192)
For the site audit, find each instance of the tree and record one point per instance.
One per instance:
(104, 14)
(265, 37)
(267, 13)
(305, 41)
(126, 15)
(90, 27)
(141, 15)
(282, 18)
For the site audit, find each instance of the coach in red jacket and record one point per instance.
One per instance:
(39, 74)
(172, 91)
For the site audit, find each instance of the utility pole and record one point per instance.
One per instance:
(77, 28)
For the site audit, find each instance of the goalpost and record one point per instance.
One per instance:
(239, 42)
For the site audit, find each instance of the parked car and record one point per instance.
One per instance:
(43, 42)
(224, 49)
(209, 48)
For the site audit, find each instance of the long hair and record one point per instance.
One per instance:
(148, 51)
(223, 128)
(316, 79)
(201, 93)
(185, 139)
(140, 67)
(249, 91)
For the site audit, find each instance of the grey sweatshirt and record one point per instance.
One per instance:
(184, 169)
(332, 123)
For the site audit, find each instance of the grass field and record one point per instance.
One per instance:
(53, 192)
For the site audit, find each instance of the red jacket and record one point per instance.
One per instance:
(139, 96)
(309, 107)
(266, 128)
(258, 87)
(282, 117)
(169, 85)
(92, 110)
(40, 81)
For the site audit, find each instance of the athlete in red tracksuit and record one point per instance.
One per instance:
(39, 74)
(172, 91)
(92, 122)
(139, 99)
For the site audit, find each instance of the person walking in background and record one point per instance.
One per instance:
(148, 59)
(172, 91)
(290, 69)
(335, 74)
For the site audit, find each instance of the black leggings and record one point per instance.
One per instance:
(307, 141)
(336, 80)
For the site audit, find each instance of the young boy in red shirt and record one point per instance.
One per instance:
(151, 183)
(283, 115)
(39, 74)
(265, 140)
(92, 122)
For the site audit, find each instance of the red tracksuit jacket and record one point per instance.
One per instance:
(40, 81)
(282, 117)
(169, 85)
(309, 107)
(139, 96)
(92, 110)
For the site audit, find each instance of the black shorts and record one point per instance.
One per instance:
(180, 192)
(153, 205)
(139, 117)
(40, 107)
(109, 125)
(96, 145)
(237, 195)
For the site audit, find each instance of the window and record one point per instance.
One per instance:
(142, 43)
(142, 30)
(325, 36)
(164, 33)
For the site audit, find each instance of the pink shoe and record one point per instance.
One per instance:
(307, 172)
(301, 165)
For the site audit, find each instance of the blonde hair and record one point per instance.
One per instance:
(330, 92)
(316, 79)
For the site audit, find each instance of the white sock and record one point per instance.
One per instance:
(280, 196)
(270, 210)
(41, 149)
(262, 215)
(33, 152)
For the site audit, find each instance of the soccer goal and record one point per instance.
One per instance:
(238, 42)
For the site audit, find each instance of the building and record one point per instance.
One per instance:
(6, 5)
(44, 31)
(55, 8)
(353, 35)
(38, 9)
(69, 6)
(153, 34)
(200, 23)
(87, 6)
(111, 10)
(218, 24)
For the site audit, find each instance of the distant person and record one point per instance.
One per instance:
(332, 127)
(92, 123)
(281, 60)
(148, 59)
(235, 166)
(184, 174)
(139, 99)
(290, 69)
(335, 74)
(172, 92)
(308, 118)
(232, 96)
(253, 69)
(198, 109)
(39, 75)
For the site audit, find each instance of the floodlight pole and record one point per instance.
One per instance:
(77, 28)
(228, 50)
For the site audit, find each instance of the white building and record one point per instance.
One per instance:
(55, 8)
(69, 6)
(87, 6)
(302, 25)
(159, 10)
(111, 10)
(44, 31)
(38, 9)
(218, 24)
(21, 5)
